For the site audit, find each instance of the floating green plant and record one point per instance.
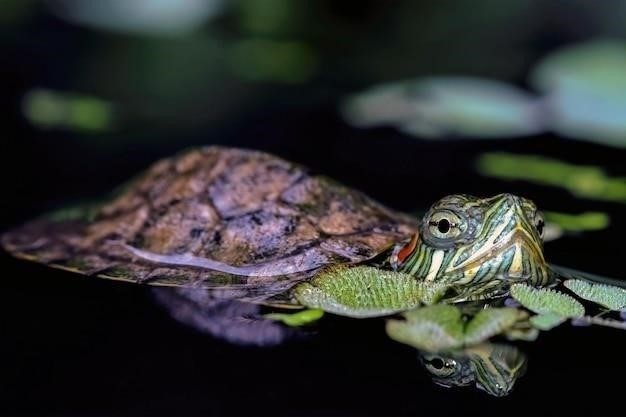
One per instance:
(547, 301)
(609, 296)
(364, 291)
(443, 327)
(547, 321)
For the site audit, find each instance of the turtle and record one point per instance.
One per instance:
(222, 234)
(255, 225)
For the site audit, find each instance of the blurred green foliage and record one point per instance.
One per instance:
(437, 107)
(51, 109)
(582, 96)
(585, 90)
(582, 181)
(578, 222)
(156, 70)
(164, 63)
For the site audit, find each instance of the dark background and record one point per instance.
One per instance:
(76, 346)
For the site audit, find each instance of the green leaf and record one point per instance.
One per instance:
(490, 322)
(298, 319)
(613, 298)
(432, 328)
(364, 291)
(547, 301)
(546, 321)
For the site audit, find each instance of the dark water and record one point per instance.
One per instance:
(77, 346)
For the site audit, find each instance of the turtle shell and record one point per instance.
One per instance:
(250, 210)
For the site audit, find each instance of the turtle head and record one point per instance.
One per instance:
(493, 368)
(478, 243)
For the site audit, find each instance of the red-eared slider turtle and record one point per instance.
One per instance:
(255, 224)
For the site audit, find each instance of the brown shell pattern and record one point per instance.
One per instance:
(237, 207)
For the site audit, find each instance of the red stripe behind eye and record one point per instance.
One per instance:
(407, 250)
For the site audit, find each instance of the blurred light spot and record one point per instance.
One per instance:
(50, 109)
(138, 16)
(279, 61)
(552, 231)
(447, 106)
(582, 181)
(587, 221)
(597, 65)
(585, 89)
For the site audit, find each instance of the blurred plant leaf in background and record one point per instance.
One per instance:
(585, 88)
(582, 181)
(50, 109)
(139, 16)
(586, 221)
(582, 95)
(447, 106)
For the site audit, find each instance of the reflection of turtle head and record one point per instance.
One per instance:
(448, 371)
(468, 240)
(494, 368)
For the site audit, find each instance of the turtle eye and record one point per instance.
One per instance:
(444, 225)
(441, 367)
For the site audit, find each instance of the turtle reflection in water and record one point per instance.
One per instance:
(236, 229)
(492, 367)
